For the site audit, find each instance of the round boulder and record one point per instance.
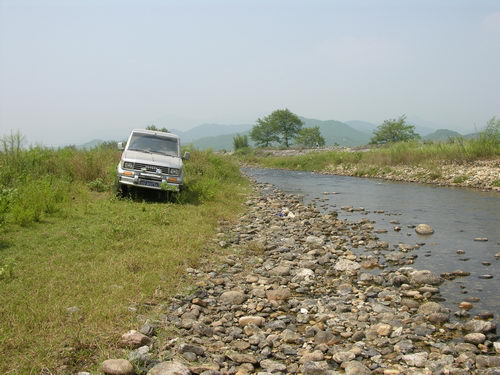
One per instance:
(424, 229)
(117, 367)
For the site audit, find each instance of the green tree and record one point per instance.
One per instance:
(394, 130)
(264, 133)
(287, 125)
(240, 141)
(154, 128)
(310, 137)
(280, 126)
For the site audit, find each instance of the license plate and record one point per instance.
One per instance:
(149, 183)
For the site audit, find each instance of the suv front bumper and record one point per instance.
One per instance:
(149, 180)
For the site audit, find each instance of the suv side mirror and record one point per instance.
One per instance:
(120, 146)
(186, 156)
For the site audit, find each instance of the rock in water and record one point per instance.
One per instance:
(117, 367)
(424, 229)
(424, 277)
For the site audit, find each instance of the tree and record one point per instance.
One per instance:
(240, 141)
(310, 137)
(280, 126)
(154, 128)
(287, 124)
(394, 130)
(264, 133)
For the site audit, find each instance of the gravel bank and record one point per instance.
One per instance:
(483, 175)
(293, 297)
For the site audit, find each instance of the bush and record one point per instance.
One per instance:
(208, 176)
(97, 185)
(36, 198)
(240, 141)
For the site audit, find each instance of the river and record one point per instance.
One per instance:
(457, 215)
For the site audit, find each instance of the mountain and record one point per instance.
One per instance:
(209, 130)
(217, 143)
(442, 135)
(338, 132)
(362, 126)
(333, 132)
(422, 127)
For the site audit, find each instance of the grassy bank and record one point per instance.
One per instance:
(382, 161)
(76, 271)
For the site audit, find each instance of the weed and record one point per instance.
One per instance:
(460, 179)
(6, 271)
(97, 185)
(434, 175)
(496, 183)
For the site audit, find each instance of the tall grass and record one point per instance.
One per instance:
(35, 181)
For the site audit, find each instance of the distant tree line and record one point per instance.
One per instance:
(284, 128)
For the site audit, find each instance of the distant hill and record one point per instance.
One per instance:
(442, 135)
(333, 132)
(362, 126)
(217, 143)
(209, 131)
(338, 132)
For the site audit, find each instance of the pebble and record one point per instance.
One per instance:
(465, 305)
(134, 339)
(169, 368)
(487, 276)
(117, 367)
(475, 338)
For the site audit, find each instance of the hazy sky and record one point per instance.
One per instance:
(72, 71)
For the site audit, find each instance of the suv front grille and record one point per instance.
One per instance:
(150, 168)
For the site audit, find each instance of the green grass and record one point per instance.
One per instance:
(101, 254)
(398, 154)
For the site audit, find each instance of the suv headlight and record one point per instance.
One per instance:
(128, 165)
(175, 171)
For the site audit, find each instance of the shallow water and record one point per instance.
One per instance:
(457, 215)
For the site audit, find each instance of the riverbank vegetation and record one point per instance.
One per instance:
(77, 265)
(420, 160)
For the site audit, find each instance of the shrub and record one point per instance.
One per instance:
(97, 185)
(460, 179)
(207, 175)
(240, 141)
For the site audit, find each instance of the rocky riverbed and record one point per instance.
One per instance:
(294, 294)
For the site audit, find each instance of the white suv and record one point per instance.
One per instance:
(151, 159)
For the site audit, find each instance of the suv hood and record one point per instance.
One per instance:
(153, 159)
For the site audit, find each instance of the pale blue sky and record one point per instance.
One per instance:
(71, 71)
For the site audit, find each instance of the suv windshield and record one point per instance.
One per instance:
(153, 144)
